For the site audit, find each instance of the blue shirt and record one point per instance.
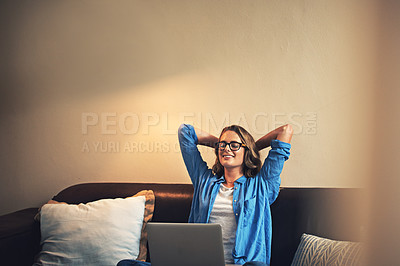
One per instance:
(251, 197)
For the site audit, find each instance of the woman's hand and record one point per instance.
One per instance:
(283, 133)
(205, 138)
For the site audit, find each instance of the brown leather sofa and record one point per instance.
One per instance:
(327, 212)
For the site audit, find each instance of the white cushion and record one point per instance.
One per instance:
(102, 232)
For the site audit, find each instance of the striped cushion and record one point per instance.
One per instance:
(148, 215)
(314, 250)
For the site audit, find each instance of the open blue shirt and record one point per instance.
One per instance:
(251, 197)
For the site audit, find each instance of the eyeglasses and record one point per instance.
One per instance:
(234, 146)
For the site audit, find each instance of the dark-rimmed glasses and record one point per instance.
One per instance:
(233, 145)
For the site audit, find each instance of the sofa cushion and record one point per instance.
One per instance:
(102, 232)
(314, 250)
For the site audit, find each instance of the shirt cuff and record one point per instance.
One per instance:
(187, 131)
(275, 143)
(193, 133)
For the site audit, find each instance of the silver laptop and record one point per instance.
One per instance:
(186, 244)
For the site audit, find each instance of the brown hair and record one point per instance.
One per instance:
(251, 161)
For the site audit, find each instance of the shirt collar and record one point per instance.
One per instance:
(220, 180)
(240, 180)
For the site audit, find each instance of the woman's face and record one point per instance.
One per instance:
(227, 157)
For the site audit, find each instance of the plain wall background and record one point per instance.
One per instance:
(384, 211)
(161, 63)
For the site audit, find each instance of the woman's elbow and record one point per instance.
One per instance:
(286, 133)
(287, 129)
(181, 127)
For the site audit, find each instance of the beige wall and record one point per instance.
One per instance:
(384, 214)
(144, 67)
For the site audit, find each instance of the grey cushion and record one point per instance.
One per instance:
(314, 250)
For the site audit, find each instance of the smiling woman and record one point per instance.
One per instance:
(237, 191)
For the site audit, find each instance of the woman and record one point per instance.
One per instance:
(237, 191)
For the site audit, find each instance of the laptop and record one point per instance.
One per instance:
(186, 244)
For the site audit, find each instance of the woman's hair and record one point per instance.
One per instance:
(251, 161)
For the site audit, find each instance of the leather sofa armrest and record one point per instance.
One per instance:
(19, 237)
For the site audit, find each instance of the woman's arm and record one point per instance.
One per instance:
(205, 138)
(195, 165)
(283, 133)
(279, 153)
